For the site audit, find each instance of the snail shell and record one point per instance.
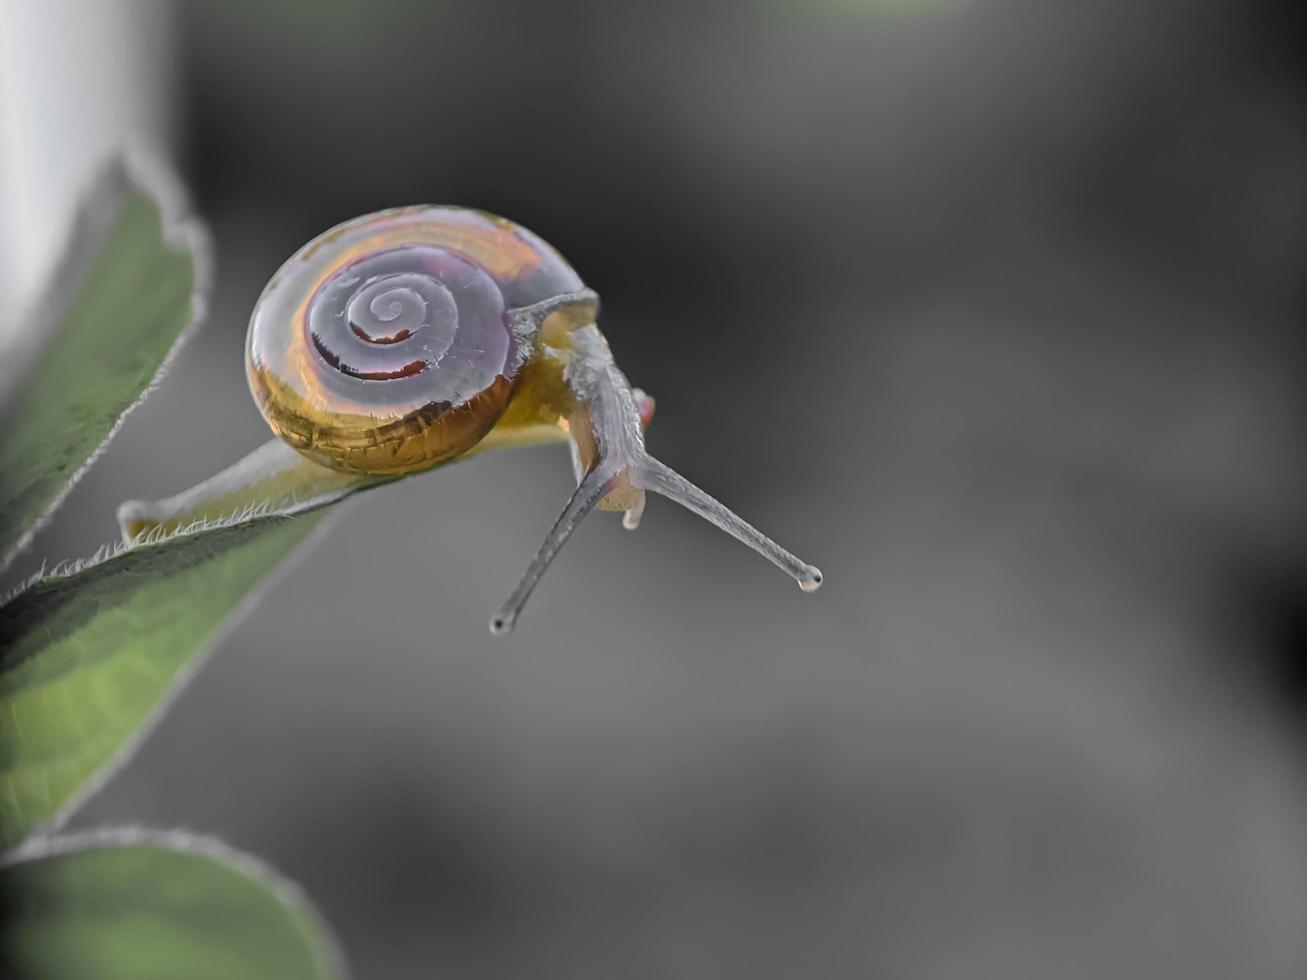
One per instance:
(389, 343)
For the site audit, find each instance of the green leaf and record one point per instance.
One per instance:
(123, 297)
(91, 652)
(135, 905)
(89, 655)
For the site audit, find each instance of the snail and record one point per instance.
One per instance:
(403, 339)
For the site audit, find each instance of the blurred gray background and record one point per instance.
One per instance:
(989, 308)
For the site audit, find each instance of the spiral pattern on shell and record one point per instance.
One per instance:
(417, 315)
(386, 345)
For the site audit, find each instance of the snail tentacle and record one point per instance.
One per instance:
(634, 514)
(662, 479)
(588, 492)
(621, 470)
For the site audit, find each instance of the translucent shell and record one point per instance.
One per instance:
(386, 344)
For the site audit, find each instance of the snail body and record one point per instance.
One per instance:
(401, 339)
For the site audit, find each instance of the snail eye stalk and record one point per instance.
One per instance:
(623, 466)
(662, 479)
(588, 493)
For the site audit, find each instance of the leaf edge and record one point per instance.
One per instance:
(120, 173)
(328, 952)
(186, 674)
